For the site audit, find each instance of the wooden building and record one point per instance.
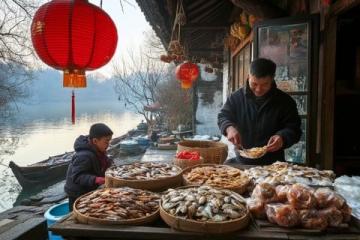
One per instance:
(316, 45)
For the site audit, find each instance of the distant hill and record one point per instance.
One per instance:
(47, 87)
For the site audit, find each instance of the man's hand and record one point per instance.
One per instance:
(99, 180)
(233, 135)
(275, 143)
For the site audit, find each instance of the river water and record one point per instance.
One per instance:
(36, 132)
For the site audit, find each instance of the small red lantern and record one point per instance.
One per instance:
(73, 36)
(187, 73)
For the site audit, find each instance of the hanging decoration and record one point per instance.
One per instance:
(73, 36)
(187, 73)
(176, 51)
(242, 28)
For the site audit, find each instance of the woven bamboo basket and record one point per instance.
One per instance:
(238, 189)
(156, 185)
(93, 221)
(185, 163)
(204, 227)
(212, 152)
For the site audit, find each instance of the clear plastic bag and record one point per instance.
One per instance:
(264, 192)
(313, 219)
(284, 215)
(326, 198)
(281, 192)
(301, 197)
(257, 208)
(346, 212)
(333, 215)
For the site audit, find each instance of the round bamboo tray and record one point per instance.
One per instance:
(185, 163)
(238, 189)
(156, 185)
(212, 152)
(93, 221)
(204, 227)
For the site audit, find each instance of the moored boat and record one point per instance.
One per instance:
(47, 171)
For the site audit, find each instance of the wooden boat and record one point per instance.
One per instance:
(42, 173)
(48, 171)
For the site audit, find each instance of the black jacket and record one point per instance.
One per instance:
(277, 114)
(84, 167)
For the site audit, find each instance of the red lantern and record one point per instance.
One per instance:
(187, 73)
(73, 36)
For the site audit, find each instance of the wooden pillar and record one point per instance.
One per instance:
(329, 93)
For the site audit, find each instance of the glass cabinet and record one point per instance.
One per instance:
(289, 43)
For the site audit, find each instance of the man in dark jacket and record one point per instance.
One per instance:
(87, 168)
(260, 114)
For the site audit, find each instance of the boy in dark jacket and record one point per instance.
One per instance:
(260, 114)
(87, 168)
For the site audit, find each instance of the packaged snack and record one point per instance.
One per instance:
(333, 215)
(257, 208)
(301, 197)
(313, 219)
(284, 215)
(264, 192)
(325, 198)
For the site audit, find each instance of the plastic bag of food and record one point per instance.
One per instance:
(284, 215)
(313, 219)
(264, 192)
(301, 197)
(346, 212)
(333, 215)
(325, 198)
(281, 192)
(257, 208)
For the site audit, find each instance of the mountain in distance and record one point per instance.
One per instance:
(47, 86)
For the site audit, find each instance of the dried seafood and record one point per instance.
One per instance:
(253, 153)
(204, 204)
(118, 204)
(217, 176)
(143, 171)
(285, 173)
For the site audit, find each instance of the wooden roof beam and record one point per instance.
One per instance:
(207, 12)
(206, 50)
(260, 8)
(204, 26)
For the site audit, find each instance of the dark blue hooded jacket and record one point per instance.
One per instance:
(85, 166)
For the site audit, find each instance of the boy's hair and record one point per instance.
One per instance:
(262, 67)
(99, 130)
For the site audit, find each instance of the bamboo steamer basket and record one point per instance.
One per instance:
(204, 227)
(238, 189)
(212, 152)
(156, 185)
(93, 221)
(185, 163)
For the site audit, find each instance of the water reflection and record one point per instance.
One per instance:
(38, 132)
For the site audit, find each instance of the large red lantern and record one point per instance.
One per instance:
(187, 73)
(73, 36)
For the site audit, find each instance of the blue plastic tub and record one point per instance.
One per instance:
(54, 214)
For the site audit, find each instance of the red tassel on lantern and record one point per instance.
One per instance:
(73, 107)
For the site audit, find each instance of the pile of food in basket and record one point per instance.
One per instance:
(206, 196)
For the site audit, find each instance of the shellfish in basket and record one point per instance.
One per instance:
(143, 171)
(152, 176)
(204, 209)
(117, 206)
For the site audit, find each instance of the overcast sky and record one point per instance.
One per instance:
(130, 24)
